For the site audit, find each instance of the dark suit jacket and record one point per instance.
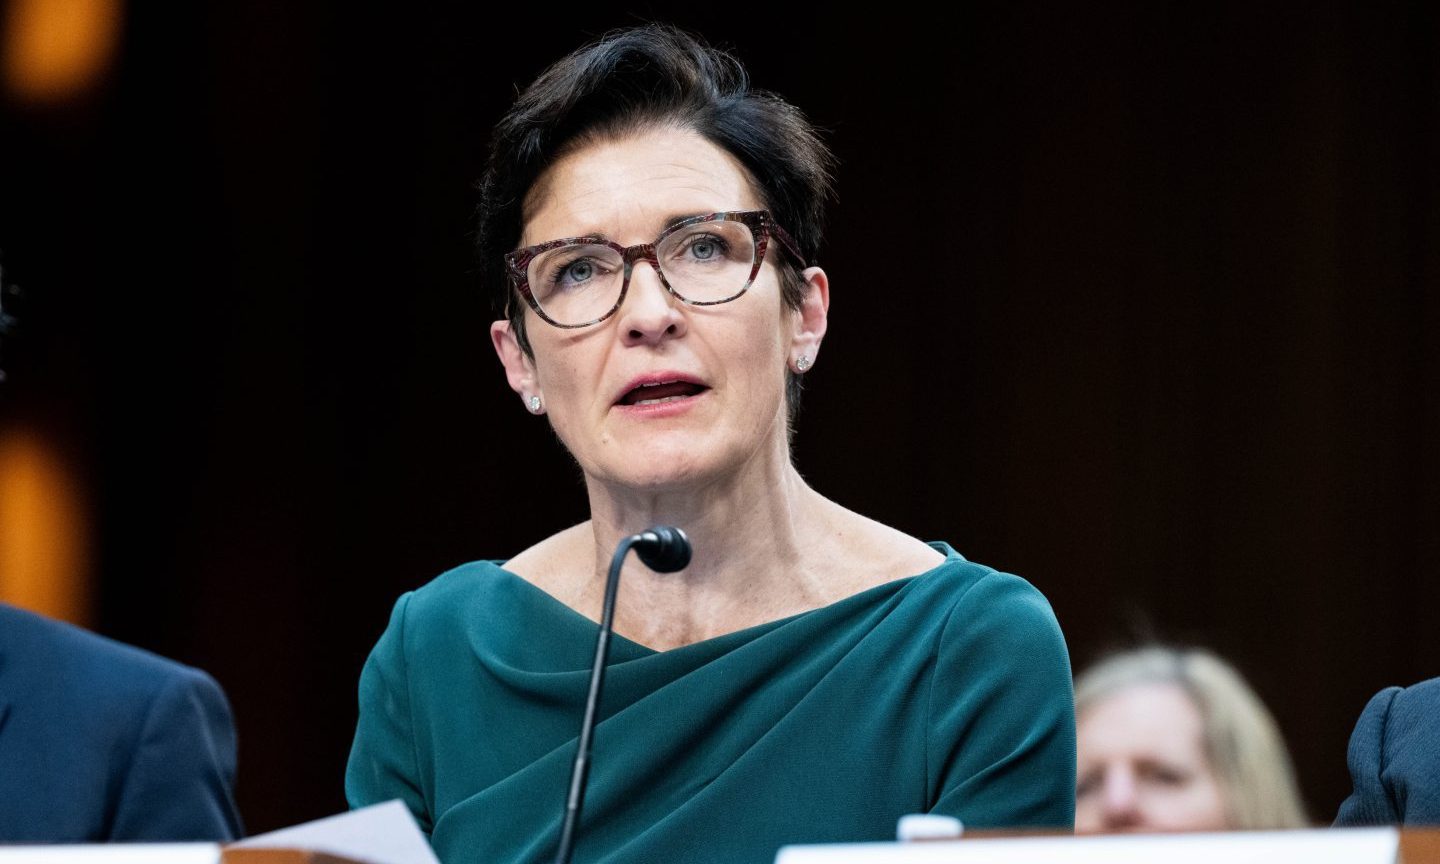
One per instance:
(1395, 759)
(100, 741)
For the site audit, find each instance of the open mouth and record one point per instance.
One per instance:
(662, 392)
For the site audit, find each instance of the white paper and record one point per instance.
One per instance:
(1312, 846)
(380, 834)
(114, 853)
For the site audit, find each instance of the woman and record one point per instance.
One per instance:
(648, 223)
(1174, 740)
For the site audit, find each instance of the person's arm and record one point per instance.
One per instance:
(178, 783)
(1002, 733)
(1370, 803)
(384, 764)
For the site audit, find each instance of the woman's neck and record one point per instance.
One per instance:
(754, 536)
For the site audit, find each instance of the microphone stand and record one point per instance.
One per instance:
(664, 550)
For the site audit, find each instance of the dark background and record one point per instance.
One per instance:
(1140, 305)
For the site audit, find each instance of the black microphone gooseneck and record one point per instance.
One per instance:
(665, 550)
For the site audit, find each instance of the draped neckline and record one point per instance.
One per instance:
(558, 607)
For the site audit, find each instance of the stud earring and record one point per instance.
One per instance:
(535, 404)
(803, 364)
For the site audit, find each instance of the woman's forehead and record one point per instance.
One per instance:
(634, 184)
(1155, 716)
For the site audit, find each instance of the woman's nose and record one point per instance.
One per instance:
(650, 313)
(1121, 799)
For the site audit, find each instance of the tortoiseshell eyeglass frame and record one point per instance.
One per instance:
(762, 225)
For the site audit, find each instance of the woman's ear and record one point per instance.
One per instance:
(519, 366)
(810, 320)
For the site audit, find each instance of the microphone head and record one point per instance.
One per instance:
(664, 549)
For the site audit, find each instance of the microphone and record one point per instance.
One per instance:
(664, 549)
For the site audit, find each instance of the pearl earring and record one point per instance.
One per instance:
(803, 363)
(535, 404)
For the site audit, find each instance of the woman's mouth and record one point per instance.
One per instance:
(662, 392)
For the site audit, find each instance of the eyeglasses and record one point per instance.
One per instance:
(701, 261)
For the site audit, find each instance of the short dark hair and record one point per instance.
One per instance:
(631, 79)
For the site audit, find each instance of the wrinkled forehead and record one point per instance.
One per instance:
(634, 182)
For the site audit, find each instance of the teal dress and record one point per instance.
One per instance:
(947, 692)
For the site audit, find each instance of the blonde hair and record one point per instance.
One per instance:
(1244, 745)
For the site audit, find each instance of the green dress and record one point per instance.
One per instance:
(947, 692)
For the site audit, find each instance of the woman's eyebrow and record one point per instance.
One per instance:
(670, 222)
(676, 220)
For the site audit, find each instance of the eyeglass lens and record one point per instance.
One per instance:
(704, 262)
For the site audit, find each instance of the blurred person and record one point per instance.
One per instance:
(104, 742)
(649, 225)
(1394, 759)
(1172, 739)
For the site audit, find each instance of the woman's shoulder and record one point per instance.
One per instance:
(451, 597)
(465, 579)
(479, 604)
(975, 596)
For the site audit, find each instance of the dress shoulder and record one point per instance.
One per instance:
(460, 597)
(1001, 740)
(974, 594)
(462, 582)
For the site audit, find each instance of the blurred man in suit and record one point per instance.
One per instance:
(1395, 759)
(101, 741)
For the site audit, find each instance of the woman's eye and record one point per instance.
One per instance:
(706, 247)
(573, 272)
(1166, 775)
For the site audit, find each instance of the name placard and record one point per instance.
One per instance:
(1313, 846)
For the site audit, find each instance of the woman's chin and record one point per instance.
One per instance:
(657, 475)
(665, 467)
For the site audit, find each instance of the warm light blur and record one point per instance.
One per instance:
(44, 543)
(56, 49)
